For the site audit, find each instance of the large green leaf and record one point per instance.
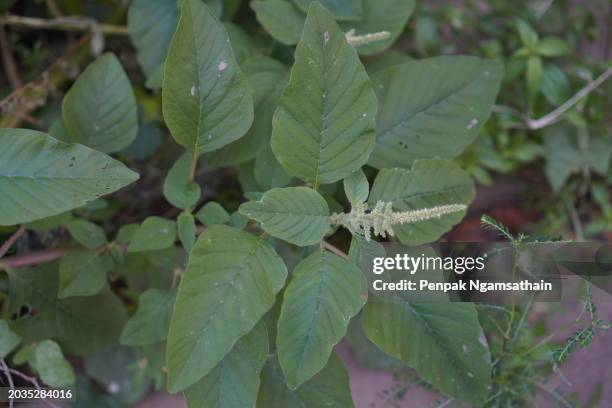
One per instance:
(231, 280)
(282, 19)
(40, 176)
(52, 366)
(100, 110)
(151, 321)
(80, 325)
(207, 101)
(329, 388)
(83, 273)
(429, 183)
(443, 341)
(234, 382)
(86, 233)
(267, 78)
(448, 101)
(341, 9)
(323, 128)
(377, 16)
(325, 292)
(298, 215)
(151, 24)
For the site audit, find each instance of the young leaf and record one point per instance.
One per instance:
(234, 382)
(295, 214)
(151, 24)
(356, 188)
(61, 176)
(151, 321)
(342, 10)
(323, 128)
(178, 189)
(212, 213)
(80, 324)
(450, 99)
(553, 47)
(52, 367)
(533, 76)
(281, 18)
(154, 234)
(442, 341)
(429, 183)
(100, 110)
(86, 233)
(185, 224)
(377, 16)
(232, 276)
(207, 101)
(8, 339)
(329, 388)
(83, 273)
(324, 293)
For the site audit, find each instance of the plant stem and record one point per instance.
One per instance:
(33, 258)
(333, 249)
(9, 378)
(63, 23)
(12, 239)
(10, 67)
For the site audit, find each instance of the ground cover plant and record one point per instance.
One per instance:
(185, 199)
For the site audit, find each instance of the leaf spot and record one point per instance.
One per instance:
(472, 123)
(325, 37)
(192, 91)
(222, 66)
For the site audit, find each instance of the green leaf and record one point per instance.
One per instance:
(534, 74)
(429, 183)
(267, 78)
(553, 47)
(356, 188)
(61, 176)
(232, 276)
(381, 15)
(234, 382)
(100, 110)
(8, 339)
(298, 215)
(281, 18)
(528, 35)
(52, 367)
(442, 341)
(329, 388)
(268, 171)
(324, 293)
(86, 233)
(83, 273)
(341, 9)
(186, 230)
(126, 233)
(151, 24)
(179, 190)
(207, 101)
(212, 213)
(555, 85)
(323, 128)
(154, 234)
(151, 321)
(450, 99)
(81, 325)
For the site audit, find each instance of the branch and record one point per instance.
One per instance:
(9, 378)
(9, 242)
(556, 115)
(32, 258)
(7, 57)
(22, 101)
(78, 24)
(332, 248)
